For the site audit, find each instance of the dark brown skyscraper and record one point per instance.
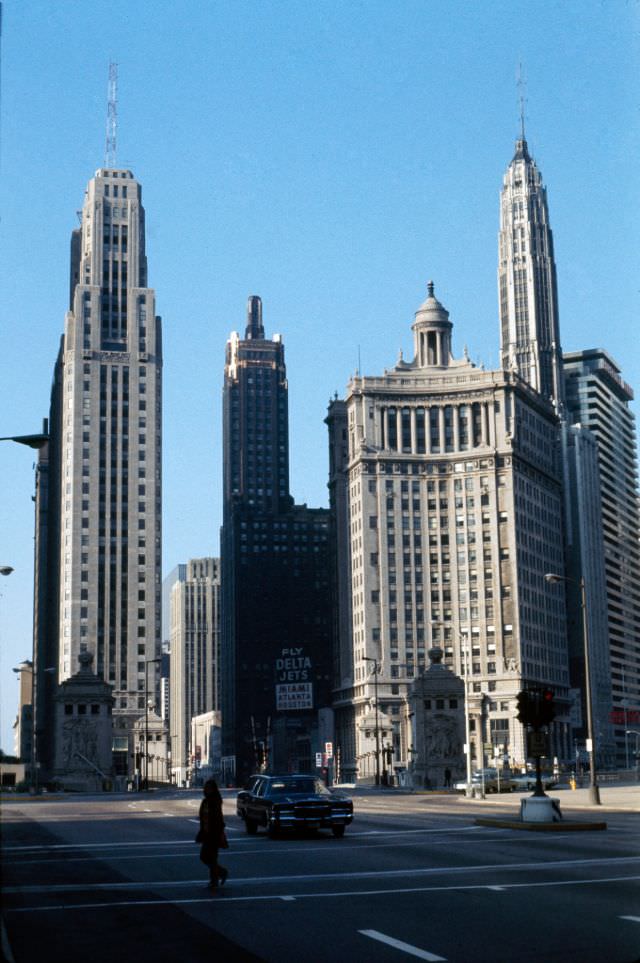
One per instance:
(275, 651)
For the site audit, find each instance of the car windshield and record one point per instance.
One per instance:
(296, 785)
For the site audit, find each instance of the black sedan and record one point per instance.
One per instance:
(292, 802)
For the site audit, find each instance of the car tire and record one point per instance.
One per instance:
(251, 827)
(273, 831)
(338, 831)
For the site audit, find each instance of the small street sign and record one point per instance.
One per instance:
(328, 748)
(318, 760)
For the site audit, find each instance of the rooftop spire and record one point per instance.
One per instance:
(522, 98)
(255, 329)
(112, 116)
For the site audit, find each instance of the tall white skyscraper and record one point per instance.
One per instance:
(530, 341)
(110, 401)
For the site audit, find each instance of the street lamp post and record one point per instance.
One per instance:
(147, 663)
(594, 791)
(467, 722)
(636, 733)
(367, 658)
(36, 442)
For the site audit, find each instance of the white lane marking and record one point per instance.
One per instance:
(633, 919)
(496, 889)
(399, 945)
(288, 899)
(339, 895)
(60, 846)
(452, 830)
(378, 874)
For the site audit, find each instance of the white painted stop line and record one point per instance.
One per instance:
(405, 947)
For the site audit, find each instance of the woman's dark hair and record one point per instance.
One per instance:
(210, 788)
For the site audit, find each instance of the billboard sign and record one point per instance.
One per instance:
(294, 695)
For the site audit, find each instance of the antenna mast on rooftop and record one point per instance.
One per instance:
(112, 117)
(522, 97)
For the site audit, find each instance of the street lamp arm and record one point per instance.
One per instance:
(31, 441)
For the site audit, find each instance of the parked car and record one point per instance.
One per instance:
(493, 780)
(292, 802)
(527, 780)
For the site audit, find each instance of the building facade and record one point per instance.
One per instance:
(598, 400)
(194, 681)
(276, 643)
(23, 725)
(446, 501)
(110, 405)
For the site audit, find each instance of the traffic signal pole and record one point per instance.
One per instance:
(536, 710)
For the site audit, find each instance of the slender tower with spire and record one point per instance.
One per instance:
(530, 337)
(109, 401)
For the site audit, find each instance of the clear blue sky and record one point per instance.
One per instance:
(330, 156)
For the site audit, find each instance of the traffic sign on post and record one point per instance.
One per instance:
(328, 748)
(318, 760)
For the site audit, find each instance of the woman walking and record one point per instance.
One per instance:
(211, 833)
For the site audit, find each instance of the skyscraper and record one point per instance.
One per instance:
(530, 334)
(598, 399)
(530, 345)
(446, 505)
(109, 375)
(195, 654)
(256, 418)
(276, 639)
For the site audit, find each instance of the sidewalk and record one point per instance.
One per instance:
(612, 799)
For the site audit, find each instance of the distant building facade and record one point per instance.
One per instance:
(446, 496)
(276, 643)
(23, 725)
(206, 747)
(194, 686)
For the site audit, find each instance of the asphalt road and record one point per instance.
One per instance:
(118, 878)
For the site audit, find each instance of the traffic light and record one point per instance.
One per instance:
(524, 707)
(536, 707)
(546, 708)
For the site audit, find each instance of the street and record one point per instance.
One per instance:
(118, 877)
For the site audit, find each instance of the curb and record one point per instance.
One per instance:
(540, 827)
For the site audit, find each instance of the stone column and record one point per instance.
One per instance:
(455, 423)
